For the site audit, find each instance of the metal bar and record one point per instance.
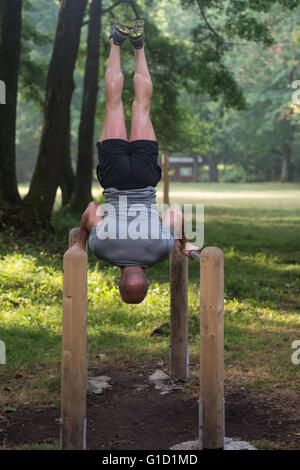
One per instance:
(195, 255)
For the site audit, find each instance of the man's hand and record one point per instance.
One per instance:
(187, 247)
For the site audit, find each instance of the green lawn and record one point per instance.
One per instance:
(258, 228)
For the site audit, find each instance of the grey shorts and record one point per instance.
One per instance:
(128, 252)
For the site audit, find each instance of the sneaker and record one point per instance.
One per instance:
(119, 32)
(137, 33)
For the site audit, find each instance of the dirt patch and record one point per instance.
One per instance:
(133, 415)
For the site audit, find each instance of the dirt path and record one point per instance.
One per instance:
(132, 414)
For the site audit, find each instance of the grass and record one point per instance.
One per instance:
(258, 228)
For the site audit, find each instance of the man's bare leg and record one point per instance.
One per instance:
(114, 121)
(113, 128)
(141, 125)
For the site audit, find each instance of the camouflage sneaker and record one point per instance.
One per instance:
(137, 33)
(119, 32)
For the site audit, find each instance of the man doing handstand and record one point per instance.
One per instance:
(128, 171)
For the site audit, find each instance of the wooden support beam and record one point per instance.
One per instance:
(179, 355)
(74, 236)
(211, 432)
(74, 347)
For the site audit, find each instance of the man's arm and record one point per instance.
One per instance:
(187, 246)
(92, 216)
(174, 218)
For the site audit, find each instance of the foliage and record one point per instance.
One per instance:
(255, 138)
(247, 60)
(257, 227)
(36, 41)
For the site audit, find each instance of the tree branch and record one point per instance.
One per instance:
(109, 10)
(219, 38)
(134, 9)
(118, 2)
(138, 16)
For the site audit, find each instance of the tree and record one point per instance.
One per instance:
(265, 132)
(66, 180)
(222, 25)
(33, 66)
(10, 46)
(40, 199)
(83, 182)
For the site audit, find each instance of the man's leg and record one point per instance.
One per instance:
(141, 125)
(114, 121)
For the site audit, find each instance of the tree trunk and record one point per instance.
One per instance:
(40, 199)
(10, 44)
(286, 156)
(86, 145)
(273, 175)
(213, 168)
(67, 175)
(195, 170)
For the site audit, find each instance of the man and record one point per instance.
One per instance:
(128, 171)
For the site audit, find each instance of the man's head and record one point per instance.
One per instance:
(133, 284)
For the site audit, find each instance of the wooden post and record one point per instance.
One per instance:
(211, 429)
(74, 347)
(165, 171)
(179, 355)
